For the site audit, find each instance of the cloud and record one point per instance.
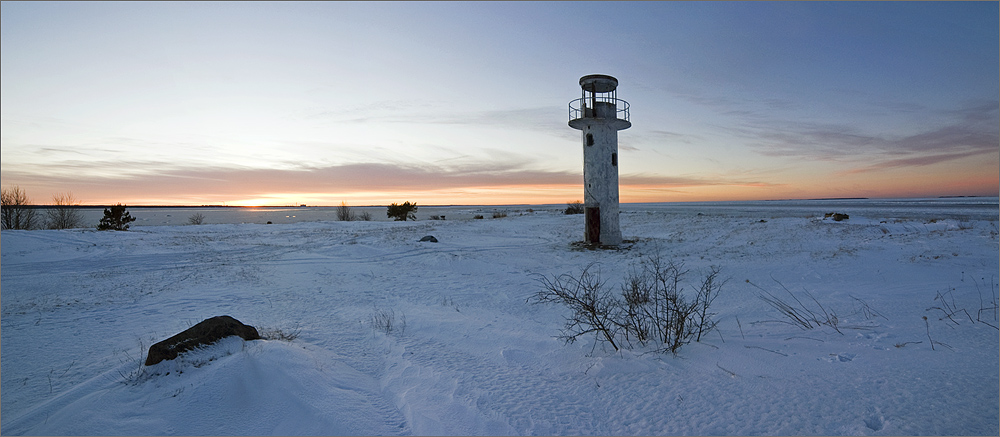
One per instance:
(218, 184)
(655, 137)
(547, 119)
(365, 177)
(919, 161)
(964, 132)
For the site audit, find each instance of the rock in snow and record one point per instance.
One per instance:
(205, 332)
(429, 238)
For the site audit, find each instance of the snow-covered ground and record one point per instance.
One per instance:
(468, 355)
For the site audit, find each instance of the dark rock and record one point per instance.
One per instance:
(429, 238)
(836, 216)
(205, 332)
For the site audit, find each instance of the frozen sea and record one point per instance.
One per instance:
(973, 208)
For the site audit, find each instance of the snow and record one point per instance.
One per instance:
(468, 355)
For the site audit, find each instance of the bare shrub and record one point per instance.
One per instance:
(365, 216)
(500, 214)
(280, 334)
(710, 288)
(196, 219)
(65, 214)
(132, 375)
(15, 209)
(657, 307)
(385, 321)
(574, 207)
(652, 306)
(593, 305)
(344, 213)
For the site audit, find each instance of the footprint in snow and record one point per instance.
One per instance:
(874, 419)
(843, 358)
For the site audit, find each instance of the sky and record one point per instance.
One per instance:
(465, 103)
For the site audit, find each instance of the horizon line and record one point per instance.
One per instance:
(499, 205)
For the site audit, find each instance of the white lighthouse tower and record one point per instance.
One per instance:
(600, 114)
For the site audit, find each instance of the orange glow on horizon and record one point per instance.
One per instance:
(561, 194)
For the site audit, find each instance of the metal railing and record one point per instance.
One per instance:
(578, 108)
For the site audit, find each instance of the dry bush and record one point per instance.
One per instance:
(574, 207)
(593, 305)
(344, 213)
(280, 334)
(652, 306)
(386, 322)
(658, 308)
(196, 219)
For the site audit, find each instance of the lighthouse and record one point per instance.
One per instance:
(599, 114)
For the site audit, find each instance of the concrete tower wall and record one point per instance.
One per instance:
(600, 176)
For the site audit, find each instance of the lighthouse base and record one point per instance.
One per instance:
(592, 225)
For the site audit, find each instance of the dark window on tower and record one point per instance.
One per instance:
(590, 139)
(614, 159)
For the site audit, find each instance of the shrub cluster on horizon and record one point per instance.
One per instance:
(402, 212)
(574, 207)
(346, 214)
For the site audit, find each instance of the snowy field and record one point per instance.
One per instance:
(467, 355)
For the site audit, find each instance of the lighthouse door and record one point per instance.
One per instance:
(593, 224)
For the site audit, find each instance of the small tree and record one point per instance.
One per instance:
(14, 211)
(64, 215)
(344, 213)
(402, 212)
(115, 218)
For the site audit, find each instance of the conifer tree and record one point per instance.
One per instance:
(402, 212)
(116, 218)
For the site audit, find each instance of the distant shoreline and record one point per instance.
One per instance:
(494, 206)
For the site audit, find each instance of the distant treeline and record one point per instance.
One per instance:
(156, 206)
